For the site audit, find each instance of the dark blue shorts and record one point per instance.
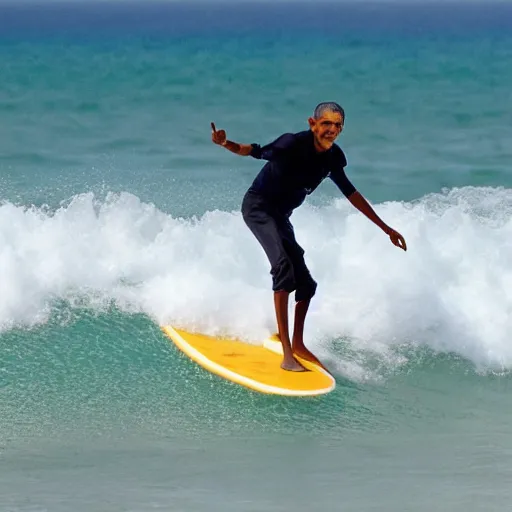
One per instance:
(275, 234)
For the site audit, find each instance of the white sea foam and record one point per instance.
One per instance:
(451, 291)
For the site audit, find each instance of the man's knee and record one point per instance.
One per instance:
(306, 290)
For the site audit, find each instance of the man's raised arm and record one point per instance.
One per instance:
(219, 137)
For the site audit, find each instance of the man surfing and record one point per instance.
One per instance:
(296, 164)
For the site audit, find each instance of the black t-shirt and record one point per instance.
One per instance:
(294, 169)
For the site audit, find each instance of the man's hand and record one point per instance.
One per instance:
(218, 136)
(396, 238)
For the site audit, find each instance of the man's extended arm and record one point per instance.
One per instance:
(219, 137)
(340, 178)
(364, 207)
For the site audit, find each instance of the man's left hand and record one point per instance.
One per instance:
(397, 239)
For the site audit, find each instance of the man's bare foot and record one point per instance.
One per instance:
(292, 365)
(304, 353)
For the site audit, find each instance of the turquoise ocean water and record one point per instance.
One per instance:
(118, 214)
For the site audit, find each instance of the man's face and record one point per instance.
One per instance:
(326, 129)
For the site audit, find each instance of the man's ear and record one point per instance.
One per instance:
(311, 122)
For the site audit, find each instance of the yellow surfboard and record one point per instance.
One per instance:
(256, 367)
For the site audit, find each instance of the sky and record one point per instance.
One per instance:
(248, 1)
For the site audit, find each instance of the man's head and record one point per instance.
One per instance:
(326, 124)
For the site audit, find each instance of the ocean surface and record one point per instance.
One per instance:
(118, 215)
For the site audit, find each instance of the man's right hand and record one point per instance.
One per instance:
(218, 136)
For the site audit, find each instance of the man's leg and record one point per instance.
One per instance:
(306, 289)
(266, 230)
(298, 347)
(281, 307)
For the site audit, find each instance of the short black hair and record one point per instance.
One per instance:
(328, 106)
